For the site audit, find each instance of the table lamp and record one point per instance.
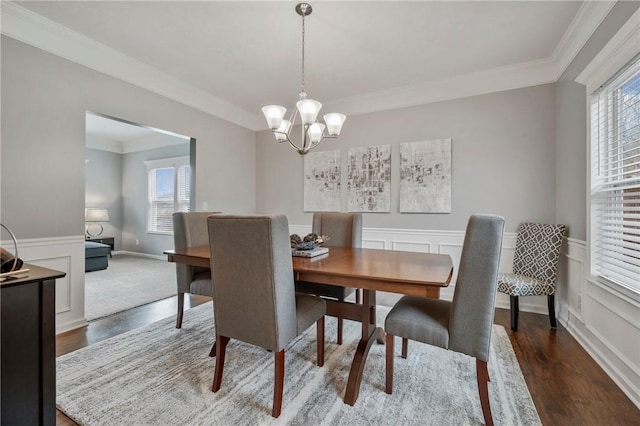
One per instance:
(94, 217)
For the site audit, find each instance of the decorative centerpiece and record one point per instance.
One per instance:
(309, 246)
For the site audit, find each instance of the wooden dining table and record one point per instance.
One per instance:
(410, 273)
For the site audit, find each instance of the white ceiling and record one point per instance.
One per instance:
(231, 58)
(113, 135)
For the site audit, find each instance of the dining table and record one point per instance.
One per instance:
(401, 272)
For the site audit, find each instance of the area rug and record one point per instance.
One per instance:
(159, 375)
(129, 281)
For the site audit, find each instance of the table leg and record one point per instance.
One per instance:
(370, 333)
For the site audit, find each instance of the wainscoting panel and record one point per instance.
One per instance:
(603, 320)
(64, 254)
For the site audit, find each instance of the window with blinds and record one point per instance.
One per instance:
(169, 191)
(615, 179)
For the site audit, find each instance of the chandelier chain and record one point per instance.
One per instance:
(303, 92)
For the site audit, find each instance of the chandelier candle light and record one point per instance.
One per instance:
(312, 130)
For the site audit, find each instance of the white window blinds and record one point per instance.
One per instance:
(169, 191)
(615, 178)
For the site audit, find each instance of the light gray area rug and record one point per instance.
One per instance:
(129, 281)
(159, 375)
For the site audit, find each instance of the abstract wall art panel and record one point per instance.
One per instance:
(322, 181)
(425, 176)
(369, 179)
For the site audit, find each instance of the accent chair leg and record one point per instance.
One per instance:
(482, 373)
(552, 310)
(514, 312)
(405, 347)
(180, 310)
(221, 347)
(278, 384)
(389, 365)
(320, 340)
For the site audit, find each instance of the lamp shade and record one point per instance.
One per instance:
(282, 131)
(315, 132)
(96, 215)
(274, 115)
(334, 122)
(308, 109)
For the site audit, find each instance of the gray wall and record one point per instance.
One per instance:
(104, 189)
(571, 126)
(503, 159)
(134, 193)
(44, 100)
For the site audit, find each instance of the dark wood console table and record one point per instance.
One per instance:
(28, 348)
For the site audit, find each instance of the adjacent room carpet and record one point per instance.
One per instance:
(129, 281)
(159, 375)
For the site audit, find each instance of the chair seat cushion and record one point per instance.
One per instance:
(201, 284)
(309, 309)
(324, 290)
(522, 285)
(420, 319)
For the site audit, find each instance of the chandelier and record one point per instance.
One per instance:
(312, 130)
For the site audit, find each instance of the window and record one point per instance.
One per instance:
(169, 191)
(615, 178)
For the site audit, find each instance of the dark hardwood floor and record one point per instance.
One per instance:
(567, 386)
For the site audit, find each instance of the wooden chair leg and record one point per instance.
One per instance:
(482, 373)
(552, 310)
(405, 347)
(180, 310)
(278, 384)
(514, 312)
(340, 321)
(221, 347)
(389, 365)
(320, 341)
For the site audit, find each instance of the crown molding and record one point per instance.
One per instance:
(587, 20)
(622, 47)
(28, 27)
(33, 29)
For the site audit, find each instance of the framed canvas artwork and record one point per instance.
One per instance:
(322, 181)
(425, 176)
(369, 179)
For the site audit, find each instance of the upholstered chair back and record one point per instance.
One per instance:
(475, 292)
(189, 230)
(538, 250)
(344, 229)
(253, 279)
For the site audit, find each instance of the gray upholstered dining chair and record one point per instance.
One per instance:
(344, 230)
(190, 230)
(463, 325)
(255, 299)
(535, 267)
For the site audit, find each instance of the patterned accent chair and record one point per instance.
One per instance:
(190, 230)
(344, 230)
(535, 267)
(464, 324)
(255, 298)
